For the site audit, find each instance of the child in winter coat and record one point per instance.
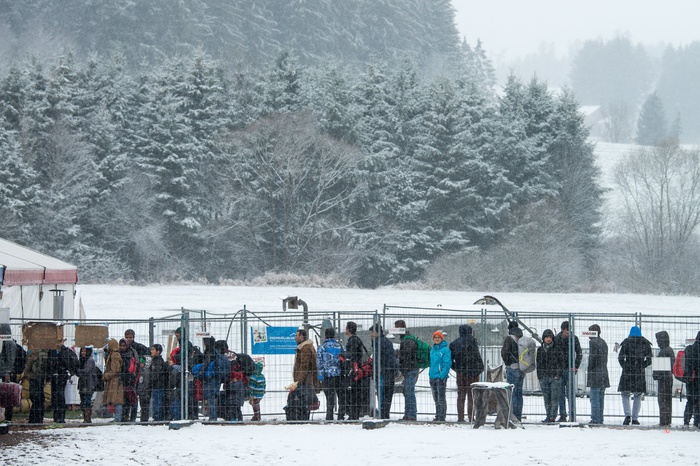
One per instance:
(257, 385)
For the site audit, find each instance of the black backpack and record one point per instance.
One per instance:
(247, 364)
(20, 360)
(100, 385)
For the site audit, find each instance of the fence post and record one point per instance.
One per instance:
(184, 359)
(151, 331)
(572, 369)
(375, 382)
(244, 326)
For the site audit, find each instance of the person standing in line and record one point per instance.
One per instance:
(157, 383)
(87, 382)
(440, 364)
(144, 396)
(634, 357)
(114, 387)
(61, 365)
(550, 365)
(385, 355)
(305, 375)
(257, 385)
(665, 378)
(328, 363)
(468, 364)
(514, 376)
(408, 365)
(7, 362)
(353, 350)
(569, 375)
(691, 370)
(597, 376)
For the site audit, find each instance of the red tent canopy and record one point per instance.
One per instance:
(23, 266)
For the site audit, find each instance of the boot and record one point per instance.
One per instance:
(87, 416)
(256, 417)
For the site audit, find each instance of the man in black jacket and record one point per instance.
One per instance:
(144, 394)
(408, 364)
(61, 365)
(569, 375)
(550, 366)
(353, 350)
(385, 360)
(597, 376)
(691, 369)
(468, 364)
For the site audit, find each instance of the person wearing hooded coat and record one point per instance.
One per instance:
(634, 356)
(691, 367)
(468, 364)
(665, 378)
(597, 378)
(114, 388)
(551, 363)
(87, 382)
(440, 364)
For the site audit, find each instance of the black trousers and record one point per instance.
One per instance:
(334, 388)
(58, 396)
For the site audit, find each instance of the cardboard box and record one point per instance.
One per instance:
(91, 335)
(42, 335)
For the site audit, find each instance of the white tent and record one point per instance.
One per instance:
(34, 285)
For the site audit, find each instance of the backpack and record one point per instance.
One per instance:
(422, 353)
(20, 360)
(247, 364)
(679, 368)
(100, 385)
(222, 368)
(527, 350)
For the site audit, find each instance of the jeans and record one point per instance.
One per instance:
(551, 388)
(597, 404)
(410, 378)
(386, 393)
(515, 377)
(158, 400)
(439, 388)
(118, 411)
(175, 407)
(636, 406)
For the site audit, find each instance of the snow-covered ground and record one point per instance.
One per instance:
(349, 444)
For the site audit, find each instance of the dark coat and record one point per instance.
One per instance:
(634, 357)
(665, 351)
(408, 354)
(158, 374)
(563, 343)
(466, 357)
(354, 349)
(387, 357)
(87, 373)
(691, 365)
(597, 376)
(551, 361)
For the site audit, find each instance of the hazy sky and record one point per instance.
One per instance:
(512, 28)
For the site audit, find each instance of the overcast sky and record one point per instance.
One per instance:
(512, 28)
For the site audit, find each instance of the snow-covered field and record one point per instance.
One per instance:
(349, 444)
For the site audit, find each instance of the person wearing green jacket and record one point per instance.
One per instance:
(440, 364)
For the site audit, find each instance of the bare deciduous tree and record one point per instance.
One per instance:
(660, 190)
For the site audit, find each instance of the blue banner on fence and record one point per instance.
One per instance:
(273, 340)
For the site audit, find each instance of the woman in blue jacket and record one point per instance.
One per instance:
(440, 363)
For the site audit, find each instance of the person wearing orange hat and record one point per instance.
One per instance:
(440, 364)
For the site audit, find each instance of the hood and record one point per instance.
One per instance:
(182, 332)
(547, 333)
(697, 337)
(258, 367)
(516, 332)
(112, 345)
(5, 329)
(635, 331)
(663, 339)
(465, 330)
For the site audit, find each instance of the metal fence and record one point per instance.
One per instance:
(240, 328)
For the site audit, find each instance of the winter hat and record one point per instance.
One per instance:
(258, 367)
(635, 331)
(438, 333)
